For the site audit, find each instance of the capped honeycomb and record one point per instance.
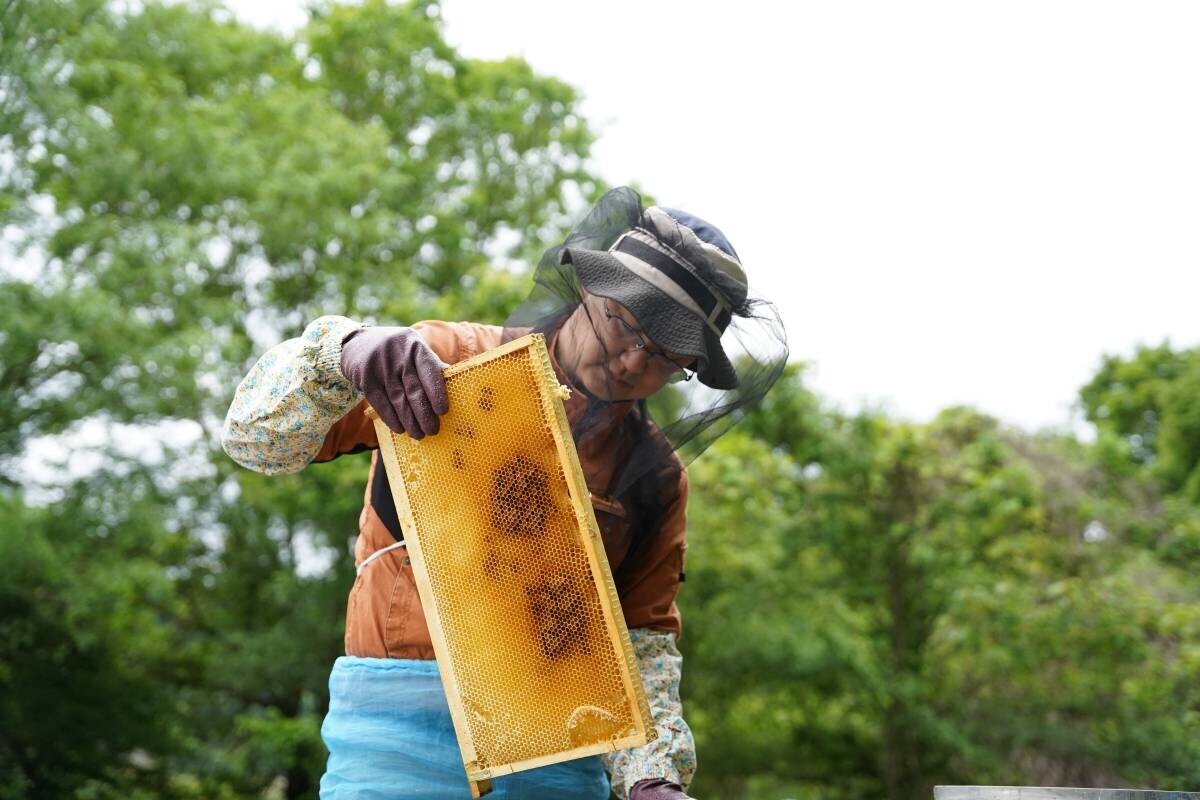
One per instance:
(528, 633)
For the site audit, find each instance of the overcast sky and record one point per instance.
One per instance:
(951, 202)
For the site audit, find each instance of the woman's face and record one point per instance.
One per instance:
(612, 357)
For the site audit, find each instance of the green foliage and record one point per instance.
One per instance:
(187, 190)
(875, 607)
(1148, 403)
(88, 670)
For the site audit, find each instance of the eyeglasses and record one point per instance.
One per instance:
(621, 330)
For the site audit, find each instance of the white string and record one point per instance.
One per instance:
(358, 570)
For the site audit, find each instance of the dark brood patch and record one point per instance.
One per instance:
(520, 498)
(556, 606)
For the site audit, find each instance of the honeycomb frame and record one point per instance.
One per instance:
(444, 604)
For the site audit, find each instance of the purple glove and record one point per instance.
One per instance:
(400, 376)
(657, 789)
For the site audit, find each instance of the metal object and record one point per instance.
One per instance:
(1052, 793)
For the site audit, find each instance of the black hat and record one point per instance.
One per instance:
(684, 283)
(680, 278)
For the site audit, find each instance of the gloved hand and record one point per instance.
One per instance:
(657, 789)
(400, 376)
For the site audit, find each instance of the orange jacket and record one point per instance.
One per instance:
(384, 618)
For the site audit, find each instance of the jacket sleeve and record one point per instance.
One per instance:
(673, 754)
(295, 407)
(290, 400)
(451, 341)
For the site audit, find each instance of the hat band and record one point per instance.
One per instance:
(675, 280)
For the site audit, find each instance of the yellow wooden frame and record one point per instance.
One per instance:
(550, 395)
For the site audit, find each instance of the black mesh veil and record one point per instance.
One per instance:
(665, 431)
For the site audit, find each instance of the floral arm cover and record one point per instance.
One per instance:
(673, 754)
(290, 399)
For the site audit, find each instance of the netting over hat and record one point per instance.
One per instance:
(682, 419)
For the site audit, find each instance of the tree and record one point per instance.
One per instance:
(1148, 403)
(876, 606)
(187, 191)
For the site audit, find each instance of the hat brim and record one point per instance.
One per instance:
(668, 324)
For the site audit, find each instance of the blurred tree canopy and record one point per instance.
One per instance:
(179, 191)
(1147, 404)
(872, 606)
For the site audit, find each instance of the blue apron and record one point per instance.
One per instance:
(390, 737)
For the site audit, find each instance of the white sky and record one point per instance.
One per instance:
(951, 202)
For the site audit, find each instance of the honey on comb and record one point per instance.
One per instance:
(588, 723)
